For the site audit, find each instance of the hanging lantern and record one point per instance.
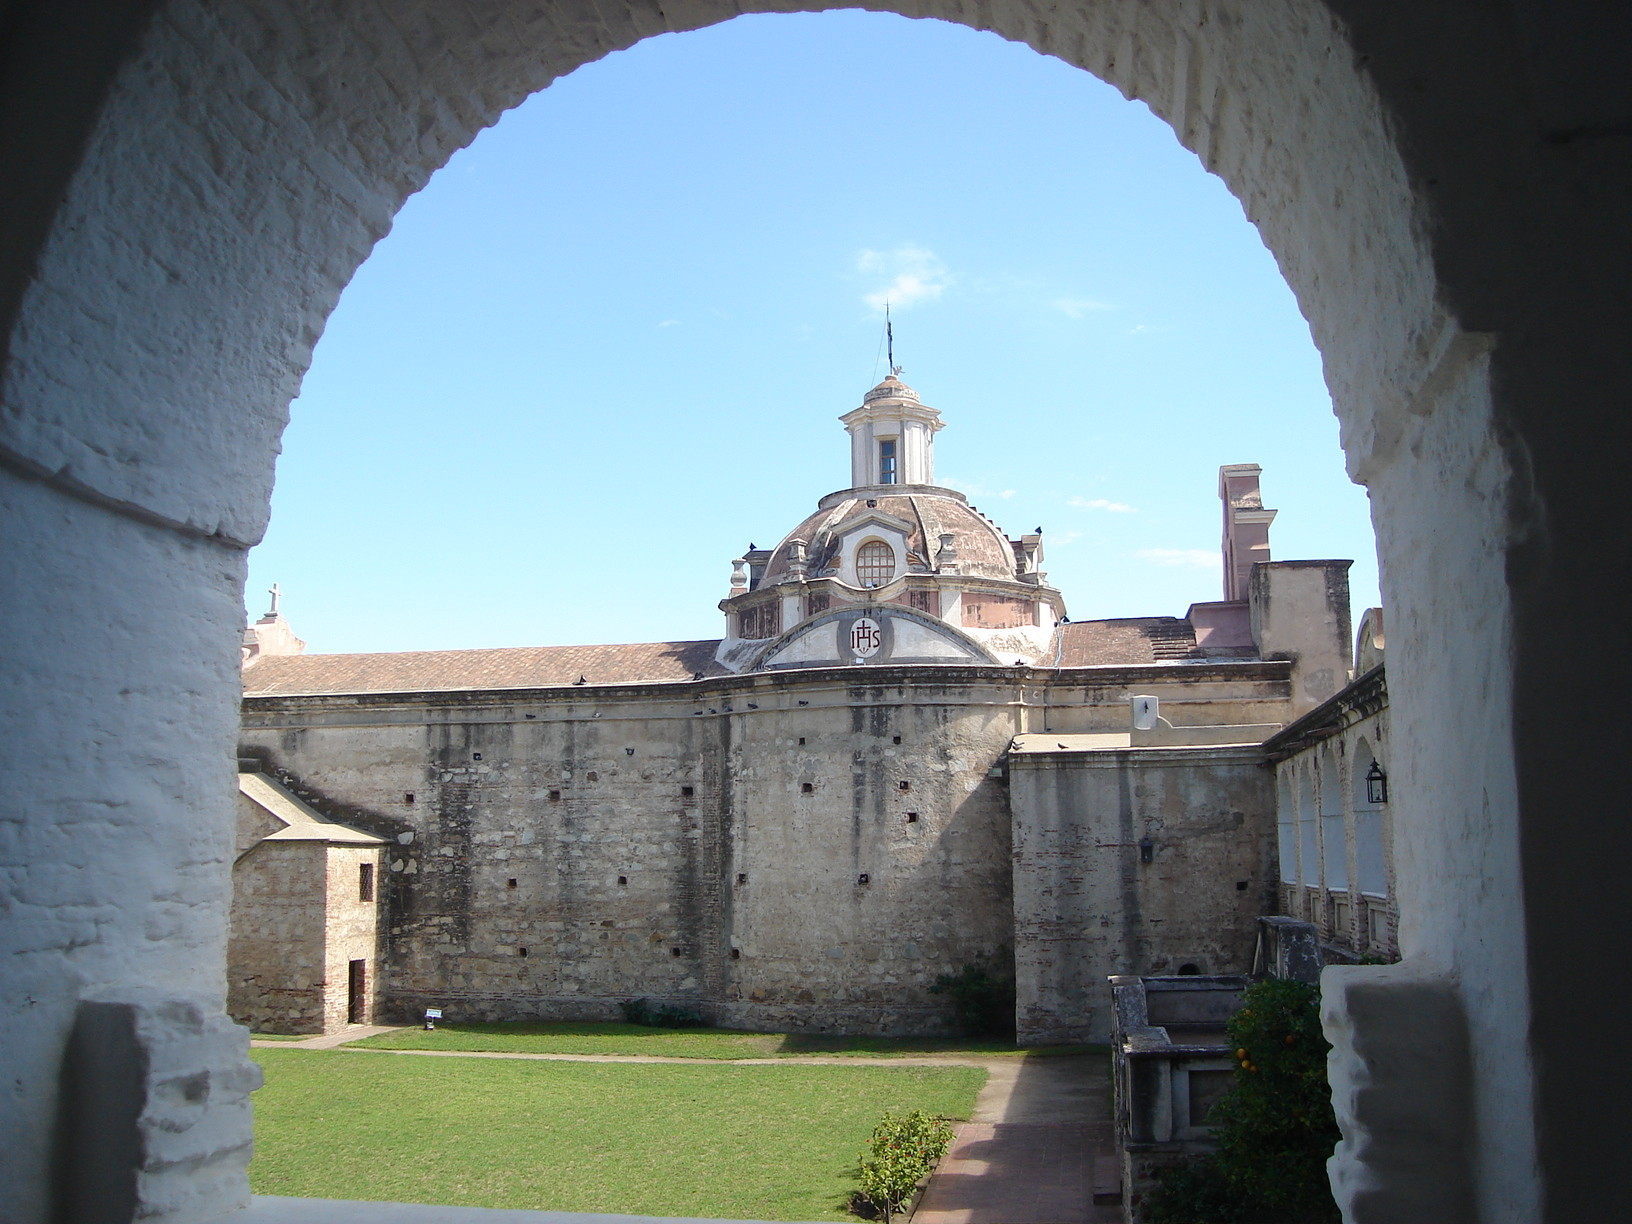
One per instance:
(1376, 784)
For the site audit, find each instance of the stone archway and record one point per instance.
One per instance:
(211, 175)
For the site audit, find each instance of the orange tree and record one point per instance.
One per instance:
(1274, 1128)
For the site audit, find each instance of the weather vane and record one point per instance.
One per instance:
(889, 340)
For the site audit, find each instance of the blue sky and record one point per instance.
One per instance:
(606, 348)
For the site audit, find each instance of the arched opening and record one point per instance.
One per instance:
(1334, 847)
(185, 249)
(1371, 874)
(1286, 828)
(1308, 904)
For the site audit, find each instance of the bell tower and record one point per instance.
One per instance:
(892, 437)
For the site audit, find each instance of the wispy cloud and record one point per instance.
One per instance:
(909, 275)
(1100, 503)
(1078, 308)
(970, 489)
(670, 323)
(1180, 558)
(1059, 539)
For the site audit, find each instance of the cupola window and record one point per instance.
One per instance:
(886, 461)
(875, 563)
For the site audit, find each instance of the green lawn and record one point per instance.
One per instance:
(769, 1142)
(589, 1038)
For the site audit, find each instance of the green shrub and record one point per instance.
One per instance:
(641, 1011)
(982, 1002)
(899, 1153)
(1274, 1128)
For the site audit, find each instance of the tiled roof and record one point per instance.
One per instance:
(444, 670)
(1127, 643)
(982, 549)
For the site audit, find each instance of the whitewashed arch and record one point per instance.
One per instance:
(1370, 867)
(212, 173)
(1286, 826)
(1334, 847)
(1308, 826)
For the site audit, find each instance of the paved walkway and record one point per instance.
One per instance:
(328, 1041)
(1039, 1146)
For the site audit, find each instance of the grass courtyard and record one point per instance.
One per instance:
(775, 1142)
(565, 1037)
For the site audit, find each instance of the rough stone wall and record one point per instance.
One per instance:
(632, 844)
(554, 853)
(277, 967)
(1086, 905)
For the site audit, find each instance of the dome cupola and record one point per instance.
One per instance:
(893, 569)
(892, 436)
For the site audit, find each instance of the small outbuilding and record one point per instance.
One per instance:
(304, 947)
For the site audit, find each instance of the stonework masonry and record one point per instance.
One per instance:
(795, 849)
(303, 952)
(1160, 858)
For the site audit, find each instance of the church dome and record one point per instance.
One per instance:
(982, 549)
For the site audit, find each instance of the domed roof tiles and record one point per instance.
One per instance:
(891, 388)
(982, 549)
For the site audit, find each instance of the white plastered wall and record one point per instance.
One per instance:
(250, 154)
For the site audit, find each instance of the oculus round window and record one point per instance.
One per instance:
(875, 563)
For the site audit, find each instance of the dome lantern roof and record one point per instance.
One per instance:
(892, 436)
(891, 388)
